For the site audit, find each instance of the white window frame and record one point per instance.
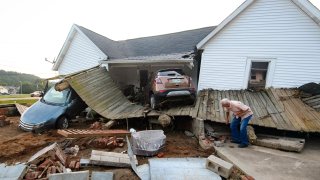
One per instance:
(270, 72)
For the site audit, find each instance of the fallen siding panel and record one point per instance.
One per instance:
(98, 90)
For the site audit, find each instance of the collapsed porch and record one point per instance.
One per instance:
(273, 108)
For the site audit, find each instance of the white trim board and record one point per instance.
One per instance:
(270, 72)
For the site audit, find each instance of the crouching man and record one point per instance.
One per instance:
(242, 115)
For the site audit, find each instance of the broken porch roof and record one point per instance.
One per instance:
(98, 91)
(179, 42)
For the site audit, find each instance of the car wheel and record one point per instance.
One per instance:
(153, 102)
(31, 95)
(62, 123)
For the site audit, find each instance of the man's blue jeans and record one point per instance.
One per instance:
(241, 137)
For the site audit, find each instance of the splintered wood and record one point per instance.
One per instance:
(77, 133)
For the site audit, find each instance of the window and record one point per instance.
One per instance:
(258, 74)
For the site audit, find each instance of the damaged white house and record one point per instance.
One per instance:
(130, 62)
(263, 43)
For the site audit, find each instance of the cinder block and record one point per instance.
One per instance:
(219, 166)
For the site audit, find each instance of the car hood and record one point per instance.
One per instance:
(41, 112)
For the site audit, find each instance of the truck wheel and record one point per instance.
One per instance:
(62, 123)
(153, 102)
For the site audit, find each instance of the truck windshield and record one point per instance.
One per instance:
(56, 97)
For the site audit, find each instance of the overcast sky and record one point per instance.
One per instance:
(32, 30)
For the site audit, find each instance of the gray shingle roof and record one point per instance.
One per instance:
(178, 42)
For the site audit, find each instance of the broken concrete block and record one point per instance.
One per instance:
(218, 143)
(282, 143)
(219, 166)
(101, 175)
(84, 162)
(110, 159)
(80, 175)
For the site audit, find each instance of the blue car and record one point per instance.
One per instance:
(53, 110)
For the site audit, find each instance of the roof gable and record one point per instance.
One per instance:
(72, 33)
(304, 5)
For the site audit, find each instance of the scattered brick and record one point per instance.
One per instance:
(160, 155)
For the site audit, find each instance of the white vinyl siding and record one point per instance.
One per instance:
(82, 54)
(269, 29)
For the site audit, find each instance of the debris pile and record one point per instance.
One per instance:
(49, 160)
(96, 125)
(108, 142)
(4, 121)
(211, 138)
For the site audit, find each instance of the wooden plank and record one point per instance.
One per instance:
(210, 105)
(205, 105)
(254, 109)
(266, 120)
(290, 112)
(221, 109)
(75, 133)
(310, 98)
(196, 109)
(303, 112)
(216, 106)
(276, 116)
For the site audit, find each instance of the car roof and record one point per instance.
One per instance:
(170, 69)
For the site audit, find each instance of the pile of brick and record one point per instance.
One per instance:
(49, 160)
(108, 142)
(44, 169)
(4, 121)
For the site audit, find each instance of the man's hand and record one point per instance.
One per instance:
(227, 117)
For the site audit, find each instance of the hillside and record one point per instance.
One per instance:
(29, 82)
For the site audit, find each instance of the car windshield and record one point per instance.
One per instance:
(56, 97)
(171, 72)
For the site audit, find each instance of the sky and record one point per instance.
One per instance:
(36, 29)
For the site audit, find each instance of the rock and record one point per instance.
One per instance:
(188, 133)
(164, 120)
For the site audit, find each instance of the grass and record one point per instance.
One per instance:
(27, 102)
(15, 96)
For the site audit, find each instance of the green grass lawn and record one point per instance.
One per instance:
(15, 99)
(15, 96)
(27, 102)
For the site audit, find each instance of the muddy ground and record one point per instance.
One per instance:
(19, 146)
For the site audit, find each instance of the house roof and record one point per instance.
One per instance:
(304, 5)
(153, 46)
(172, 43)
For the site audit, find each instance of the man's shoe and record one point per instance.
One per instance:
(237, 142)
(242, 145)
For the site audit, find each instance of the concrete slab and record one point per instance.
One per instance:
(264, 163)
(180, 169)
(80, 175)
(101, 175)
(143, 172)
(12, 172)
